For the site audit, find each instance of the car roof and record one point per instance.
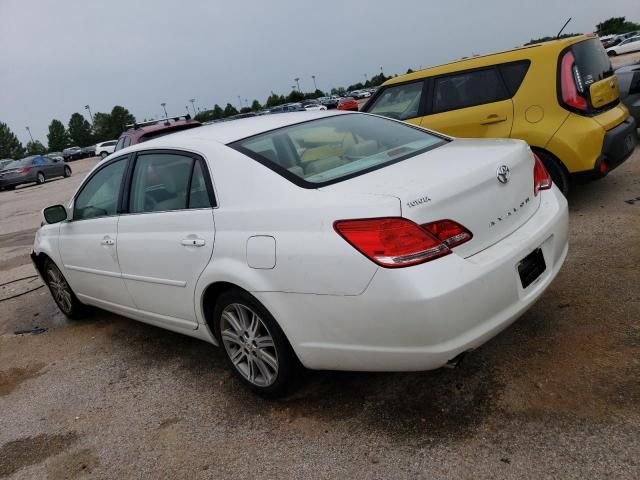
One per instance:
(229, 132)
(515, 54)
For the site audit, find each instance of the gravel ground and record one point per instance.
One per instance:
(557, 395)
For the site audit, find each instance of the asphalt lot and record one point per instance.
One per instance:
(557, 395)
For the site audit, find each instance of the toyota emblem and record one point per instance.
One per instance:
(503, 174)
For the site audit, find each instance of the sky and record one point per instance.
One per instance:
(56, 56)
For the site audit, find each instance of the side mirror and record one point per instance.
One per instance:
(54, 214)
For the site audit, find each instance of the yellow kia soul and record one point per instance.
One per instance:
(561, 97)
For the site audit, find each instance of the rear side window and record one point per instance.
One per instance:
(513, 74)
(167, 181)
(467, 89)
(120, 144)
(592, 61)
(400, 102)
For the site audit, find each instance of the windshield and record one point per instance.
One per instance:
(328, 150)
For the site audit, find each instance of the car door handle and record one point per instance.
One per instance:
(193, 242)
(494, 118)
(107, 241)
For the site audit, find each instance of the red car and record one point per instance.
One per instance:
(348, 103)
(143, 131)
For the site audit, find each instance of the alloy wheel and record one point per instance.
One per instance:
(40, 178)
(249, 344)
(59, 289)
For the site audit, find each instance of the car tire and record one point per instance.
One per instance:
(611, 53)
(61, 292)
(254, 345)
(40, 178)
(103, 155)
(559, 174)
(67, 171)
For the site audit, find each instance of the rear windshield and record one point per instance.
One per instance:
(592, 61)
(329, 150)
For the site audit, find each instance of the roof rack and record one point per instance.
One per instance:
(153, 122)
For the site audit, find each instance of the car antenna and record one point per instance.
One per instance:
(563, 27)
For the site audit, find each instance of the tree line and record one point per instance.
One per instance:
(79, 132)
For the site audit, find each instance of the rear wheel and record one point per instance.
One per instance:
(559, 174)
(67, 171)
(103, 155)
(61, 292)
(40, 178)
(254, 345)
(611, 53)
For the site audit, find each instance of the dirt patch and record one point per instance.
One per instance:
(15, 261)
(73, 465)
(10, 379)
(33, 450)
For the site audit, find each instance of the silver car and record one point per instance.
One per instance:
(36, 169)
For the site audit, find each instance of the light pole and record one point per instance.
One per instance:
(29, 130)
(297, 80)
(164, 105)
(240, 102)
(365, 77)
(188, 112)
(315, 87)
(87, 108)
(193, 105)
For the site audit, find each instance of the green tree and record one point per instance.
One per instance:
(274, 100)
(533, 41)
(615, 25)
(79, 130)
(229, 110)
(120, 118)
(10, 146)
(295, 96)
(318, 93)
(217, 112)
(57, 137)
(102, 127)
(255, 106)
(245, 110)
(36, 148)
(338, 91)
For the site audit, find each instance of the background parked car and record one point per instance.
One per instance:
(89, 151)
(55, 156)
(313, 105)
(561, 97)
(627, 46)
(348, 103)
(72, 153)
(330, 102)
(141, 132)
(105, 148)
(32, 169)
(629, 81)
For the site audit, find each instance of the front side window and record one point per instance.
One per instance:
(400, 102)
(467, 89)
(328, 150)
(167, 181)
(99, 196)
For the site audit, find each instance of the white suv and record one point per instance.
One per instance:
(105, 148)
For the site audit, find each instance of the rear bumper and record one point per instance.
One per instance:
(618, 145)
(420, 317)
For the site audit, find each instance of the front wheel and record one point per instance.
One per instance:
(61, 291)
(254, 345)
(103, 155)
(40, 178)
(67, 171)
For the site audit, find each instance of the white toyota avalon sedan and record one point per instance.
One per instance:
(339, 241)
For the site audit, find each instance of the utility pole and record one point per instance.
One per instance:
(315, 87)
(29, 130)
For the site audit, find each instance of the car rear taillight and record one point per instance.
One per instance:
(571, 83)
(25, 169)
(448, 232)
(398, 242)
(541, 178)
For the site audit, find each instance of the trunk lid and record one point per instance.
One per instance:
(459, 181)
